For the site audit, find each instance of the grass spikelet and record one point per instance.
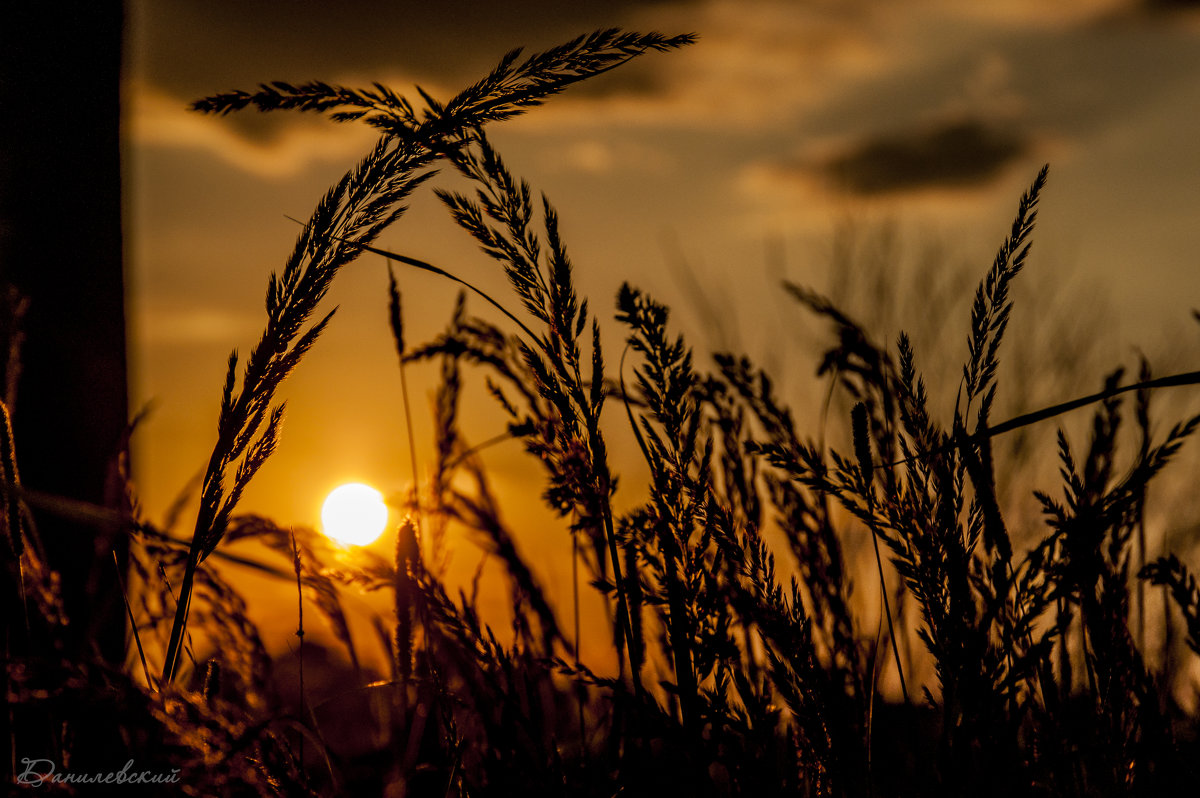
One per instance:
(1169, 572)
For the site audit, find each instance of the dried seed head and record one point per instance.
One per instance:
(212, 680)
(862, 442)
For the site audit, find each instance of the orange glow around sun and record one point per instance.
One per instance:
(354, 514)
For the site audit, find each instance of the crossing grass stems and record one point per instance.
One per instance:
(734, 674)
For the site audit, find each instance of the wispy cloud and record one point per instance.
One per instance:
(158, 119)
(1033, 13)
(168, 324)
(770, 63)
(756, 63)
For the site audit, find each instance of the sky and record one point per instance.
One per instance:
(704, 176)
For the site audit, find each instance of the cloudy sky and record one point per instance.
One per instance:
(725, 166)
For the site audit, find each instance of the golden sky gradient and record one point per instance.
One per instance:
(727, 165)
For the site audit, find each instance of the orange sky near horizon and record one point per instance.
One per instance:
(726, 165)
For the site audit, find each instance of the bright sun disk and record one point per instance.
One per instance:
(354, 514)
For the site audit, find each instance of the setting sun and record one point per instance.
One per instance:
(354, 514)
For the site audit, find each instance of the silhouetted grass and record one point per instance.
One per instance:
(740, 668)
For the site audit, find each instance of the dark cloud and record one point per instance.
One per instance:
(188, 49)
(1169, 12)
(958, 153)
(192, 48)
(1171, 5)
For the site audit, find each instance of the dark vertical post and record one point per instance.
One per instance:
(61, 247)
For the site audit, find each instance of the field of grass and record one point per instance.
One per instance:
(740, 667)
